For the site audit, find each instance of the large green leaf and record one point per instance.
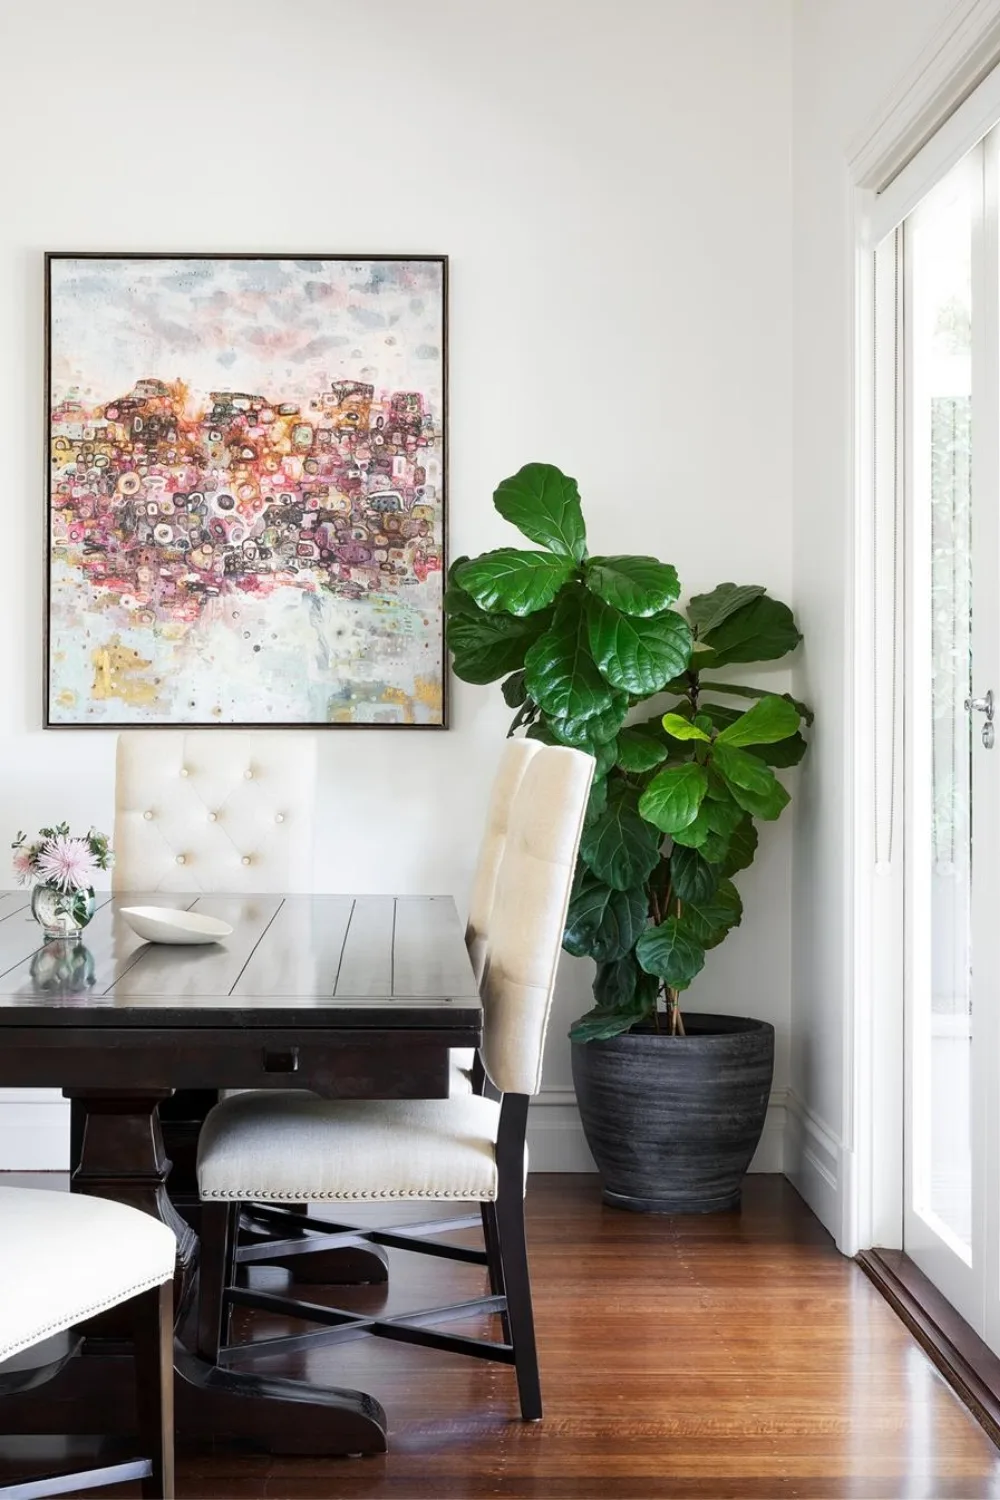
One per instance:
(637, 655)
(720, 715)
(680, 728)
(692, 877)
(456, 600)
(544, 504)
(781, 754)
(620, 847)
(706, 611)
(770, 719)
(639, 750)
(515, 581)
(739, 690)
(635, 585)
(762, 630)
(560, 673)
(673, 797)
(514, 691)
(603, 923)
(671, 953)
(606, 755)
(709, 920)
(742, 847)
(587, 734)
(625, 995)
(753, 785)
(597, 801)
(485, 647)
(710, 831)
(616, 984)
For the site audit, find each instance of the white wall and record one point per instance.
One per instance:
(613, 185)
(849, 57)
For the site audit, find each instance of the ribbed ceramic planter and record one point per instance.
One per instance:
(674, 1121)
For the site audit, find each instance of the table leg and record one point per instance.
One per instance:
(122, 1158)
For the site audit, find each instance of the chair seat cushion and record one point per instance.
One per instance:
(66, 1256)
(292, 1145)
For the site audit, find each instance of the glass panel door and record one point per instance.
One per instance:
(952, 419)
(938, 319)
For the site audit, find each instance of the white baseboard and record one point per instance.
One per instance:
(34, 1133)
(34, 1130)
(814, 1162)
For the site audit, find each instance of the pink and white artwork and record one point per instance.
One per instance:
(246, 490)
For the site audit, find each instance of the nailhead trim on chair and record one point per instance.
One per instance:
(85, 1312)
(267, 1194)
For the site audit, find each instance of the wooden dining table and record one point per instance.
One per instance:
(357, 997)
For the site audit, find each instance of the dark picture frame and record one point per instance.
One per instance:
(290, 538)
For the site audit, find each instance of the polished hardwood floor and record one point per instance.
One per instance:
(733, 1355)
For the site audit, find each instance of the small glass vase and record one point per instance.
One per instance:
(62, 914)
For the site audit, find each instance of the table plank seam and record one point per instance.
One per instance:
(343, 947)
(260, 938)
(137, 955)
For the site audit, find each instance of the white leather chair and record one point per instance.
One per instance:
(63, 1258)
(294, 1147)
(214, 810)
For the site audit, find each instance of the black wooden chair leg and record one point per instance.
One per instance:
(491, 1236)
(514, 1264)
(216, 1273)
(153, 1332)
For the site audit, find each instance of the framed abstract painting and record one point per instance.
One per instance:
(246, 490)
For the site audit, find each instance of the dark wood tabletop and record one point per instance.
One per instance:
(304, 961)
(360, 997)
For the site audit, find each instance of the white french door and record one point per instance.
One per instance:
(950, 346)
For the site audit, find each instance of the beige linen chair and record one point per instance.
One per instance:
(214, 811)
(293, 1147)
(514, 761)
(466, 1072)
(63, 1258)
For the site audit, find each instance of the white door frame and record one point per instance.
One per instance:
(937, 113)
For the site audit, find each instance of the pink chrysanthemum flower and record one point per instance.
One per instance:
(24, 867)
(67, 863)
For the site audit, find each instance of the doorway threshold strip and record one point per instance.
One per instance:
(966, 1362)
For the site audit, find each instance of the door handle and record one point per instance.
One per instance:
(985, 706)
(982, 705)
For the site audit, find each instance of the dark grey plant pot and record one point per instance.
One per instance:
(674, 1121)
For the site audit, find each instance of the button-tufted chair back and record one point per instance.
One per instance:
(513, 764)
(529, 914)
(214, 811)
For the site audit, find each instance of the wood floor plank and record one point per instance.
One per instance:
(668, 1370)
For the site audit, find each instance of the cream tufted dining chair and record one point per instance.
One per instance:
(294, 1147)
(214, 811)
(63, 1258)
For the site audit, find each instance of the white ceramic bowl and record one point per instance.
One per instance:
(163, 924)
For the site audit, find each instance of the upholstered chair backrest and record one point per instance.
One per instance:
(529, 915)
(513, 763)
(214, 811)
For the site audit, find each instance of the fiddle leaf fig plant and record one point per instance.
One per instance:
(580, 645)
